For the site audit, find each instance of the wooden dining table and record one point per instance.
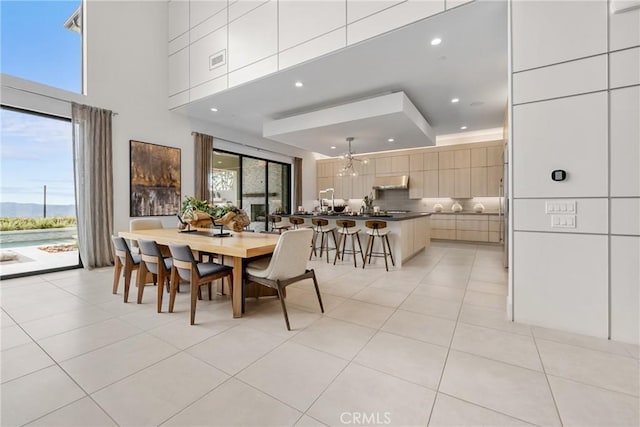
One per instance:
(238, 246)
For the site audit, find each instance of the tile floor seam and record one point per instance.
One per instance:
(489, 409)
(586, 348)
(73, 329)
(68, 375)
(446, 358)
(637, 397)
(496, 329)
(193, 345)
(195, 401)
(546, 378)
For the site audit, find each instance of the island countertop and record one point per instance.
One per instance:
(388, 217)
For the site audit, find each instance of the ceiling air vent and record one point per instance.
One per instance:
(217, 59)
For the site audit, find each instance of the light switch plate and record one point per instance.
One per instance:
(561, 206)
(563, 221)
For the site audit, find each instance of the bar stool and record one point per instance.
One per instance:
(346, 228)
(321, 227)
(296, 222)
(376, 228)
(275, 226)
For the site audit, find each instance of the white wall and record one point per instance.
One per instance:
(128, 74)
(575, 106)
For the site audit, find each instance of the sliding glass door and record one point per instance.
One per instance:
(37, 196)
(258, 186)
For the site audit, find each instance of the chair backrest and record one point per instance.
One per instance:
(319, 222)
(290, 256)
(150, 253)
(182, 256)
(296, 220)
(143, 224)
(345, 223)
(122, 249)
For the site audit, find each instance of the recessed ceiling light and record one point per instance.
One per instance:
(454, 100)
(390, 140)
(214, 109)
(219, 162)
(436, 41)
(299, 84)
(463, 127)
(333, 147)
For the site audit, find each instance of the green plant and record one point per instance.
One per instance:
(17, 223)
(191, 204)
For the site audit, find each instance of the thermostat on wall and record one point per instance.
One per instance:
(559, 175)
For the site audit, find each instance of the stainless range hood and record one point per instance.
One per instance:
(398, 182)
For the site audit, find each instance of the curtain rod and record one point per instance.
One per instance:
(55, 98)
(247, 145)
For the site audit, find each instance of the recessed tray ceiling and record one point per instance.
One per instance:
(371, 122)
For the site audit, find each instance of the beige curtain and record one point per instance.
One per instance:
(93, 175)
(204, 151)
(297, 183)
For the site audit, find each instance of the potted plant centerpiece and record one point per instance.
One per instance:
(200, 213)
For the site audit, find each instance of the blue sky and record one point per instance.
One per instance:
(35, 151)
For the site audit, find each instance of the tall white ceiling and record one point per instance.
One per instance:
(469, 64)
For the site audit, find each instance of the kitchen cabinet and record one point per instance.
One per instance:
(324, 182)
(445, 160)
(383, 165)
(400, 164)
(430, 161)
(416, 162)
(407, 243)
(479, 182)
(430, 184)
(416, 185)
(494, 180)
(478, 157)
(495, 156)
(462, 183)
(467, 227)
(462, 159)
(445, 183)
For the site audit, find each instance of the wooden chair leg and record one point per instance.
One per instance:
(384, 250)
(142, 274)
(230, 279)
(386, 237)
(362, 254)
(353, 249)
(366, 252)
(284, 307)
(339, 240)
(209, 287)
(128, 269)
(313, 245)
(175, 283)
(116, 275)
(321, 244)
(335, 243)
(315, 284)
(194, 300)
(161, 282)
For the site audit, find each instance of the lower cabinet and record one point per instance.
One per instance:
(467, 227)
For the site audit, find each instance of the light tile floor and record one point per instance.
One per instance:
(424, 345)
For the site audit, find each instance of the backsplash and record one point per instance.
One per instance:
(399, 200)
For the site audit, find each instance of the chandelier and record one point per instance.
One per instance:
(349, 169)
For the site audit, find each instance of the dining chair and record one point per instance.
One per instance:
(124, 259)
(287, 265)
(143, 224)
(186, 267)
(154, 262)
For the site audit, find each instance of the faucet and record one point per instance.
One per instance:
(321, 192)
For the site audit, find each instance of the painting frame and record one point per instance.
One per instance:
(155, 179)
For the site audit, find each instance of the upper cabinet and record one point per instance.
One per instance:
(232, 42)
(400, 164)
(300, 21)
(253, 36)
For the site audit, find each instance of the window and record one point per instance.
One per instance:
(41, 41)
(258, 186)
(37, 194)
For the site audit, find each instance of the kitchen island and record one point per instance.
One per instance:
(409, 233)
